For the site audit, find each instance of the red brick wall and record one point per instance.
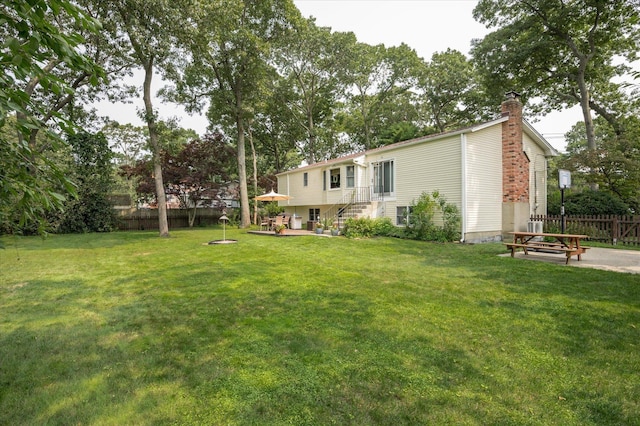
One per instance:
(515, 165)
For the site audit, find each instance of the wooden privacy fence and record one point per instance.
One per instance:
(605, 228)
(147, 219)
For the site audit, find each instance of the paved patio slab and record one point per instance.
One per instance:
(616, 260)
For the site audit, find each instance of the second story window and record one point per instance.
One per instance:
(351, 177)
(335, 178)
(305, 179)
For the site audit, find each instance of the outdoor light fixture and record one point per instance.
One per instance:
(224, 219)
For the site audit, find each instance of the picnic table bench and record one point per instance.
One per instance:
(567, 243)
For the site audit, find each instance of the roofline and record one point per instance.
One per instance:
(533, 133)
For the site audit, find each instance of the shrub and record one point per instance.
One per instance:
(365, 227)
(421, 224)
(589, 203)
(272, 209)
(91, 211)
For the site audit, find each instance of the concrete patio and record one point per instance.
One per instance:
(607, 259)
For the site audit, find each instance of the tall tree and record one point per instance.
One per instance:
(196, 172)
(448, 91)
(128, 142)
(614, 166)
(229, 51)
(151, 27)
(565, 52)
(382, 87)
(314, 65)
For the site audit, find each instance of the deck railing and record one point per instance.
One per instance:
(345, 207)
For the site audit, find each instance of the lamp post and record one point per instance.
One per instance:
(224, 219)
(564, 181)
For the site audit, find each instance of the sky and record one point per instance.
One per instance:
(427, 26)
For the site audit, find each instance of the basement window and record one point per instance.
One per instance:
(403, 215)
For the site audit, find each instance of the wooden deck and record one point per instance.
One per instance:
(291, 233)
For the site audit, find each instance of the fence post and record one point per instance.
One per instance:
(615, 230)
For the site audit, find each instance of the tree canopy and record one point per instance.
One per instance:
(38, 39)
(564, 53)
(285, 90)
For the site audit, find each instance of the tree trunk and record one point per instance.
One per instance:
(245, 213)
(255, 175)
(192, 214)
(161, 198)
(586, 113)
(312, 138)
(585, 98)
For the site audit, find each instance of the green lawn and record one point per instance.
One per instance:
(128, 328)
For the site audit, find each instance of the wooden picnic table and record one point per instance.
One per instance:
(567, 243)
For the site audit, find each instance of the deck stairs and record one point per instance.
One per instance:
(355, 204)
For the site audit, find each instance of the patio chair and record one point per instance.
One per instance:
(265, 222)
(279, 221)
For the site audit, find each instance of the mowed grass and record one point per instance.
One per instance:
(129, 328)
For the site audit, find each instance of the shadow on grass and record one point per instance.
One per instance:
(206, 337)
(227, 353)
(578, 327)
(14, 244)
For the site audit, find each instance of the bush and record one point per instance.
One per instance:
(421, 219)
(589, 203)
(365, 227)
(91, 211)
(272, 209)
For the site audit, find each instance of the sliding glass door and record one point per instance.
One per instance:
(383, 178)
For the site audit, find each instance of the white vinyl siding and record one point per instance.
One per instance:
(484, 180)
(424, 167)
(293, 184)
(537, 176)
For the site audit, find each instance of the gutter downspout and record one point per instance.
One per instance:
(463, 159)
(288, 190)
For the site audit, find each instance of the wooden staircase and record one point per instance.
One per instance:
(352, 205)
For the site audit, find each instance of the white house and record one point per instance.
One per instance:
(495, 172)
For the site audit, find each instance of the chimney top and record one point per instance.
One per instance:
(512, 95)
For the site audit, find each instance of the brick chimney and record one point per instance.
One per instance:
(515, 168)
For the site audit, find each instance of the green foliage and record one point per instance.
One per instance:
(449, 91)
(35, 42)
(91, 211)
(234, 217)
(272, 208)
(425, 212)
(32, 186)
(562, 53)
(365, 227)
(313, 63)
(589, 203)
(397, 132)
(614, 164)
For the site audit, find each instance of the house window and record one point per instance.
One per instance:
(351, 176)
(314, 215)
(403, 215)
(335, 178)
(324, 180)
(383, 178)
(305, 179)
